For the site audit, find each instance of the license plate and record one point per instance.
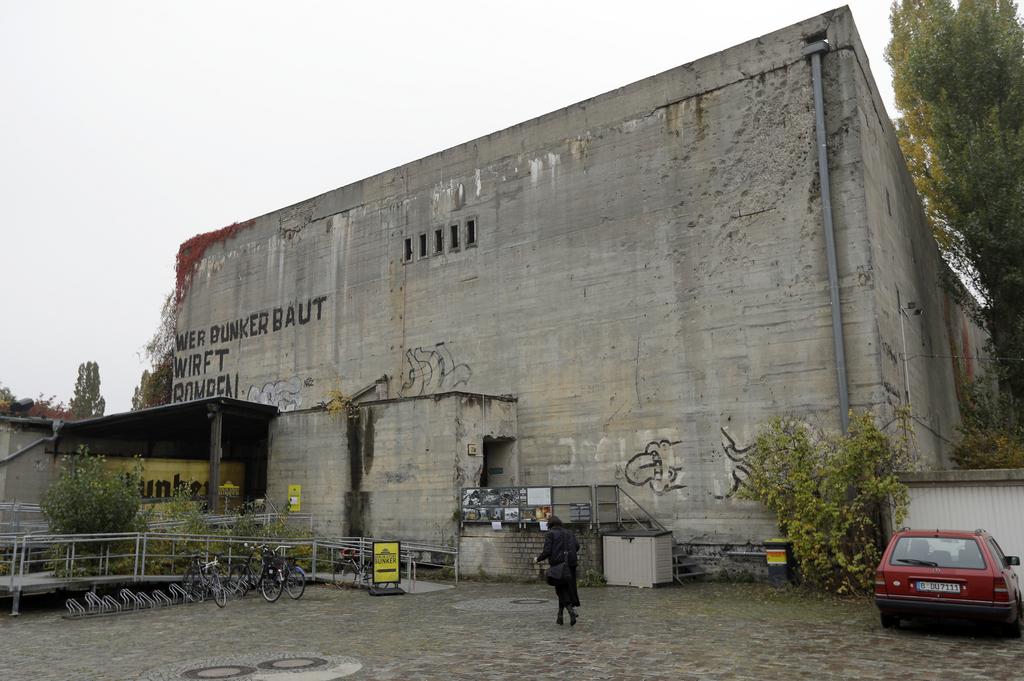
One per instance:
(939, 587)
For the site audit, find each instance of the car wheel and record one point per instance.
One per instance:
(1013, 629)
(890, 621)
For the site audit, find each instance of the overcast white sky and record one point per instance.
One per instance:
(128, 127)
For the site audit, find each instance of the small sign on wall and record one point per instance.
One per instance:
(471, 449)
(294, 497)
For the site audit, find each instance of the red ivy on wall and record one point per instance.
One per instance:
(192, 251)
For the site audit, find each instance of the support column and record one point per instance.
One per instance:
(216, 417)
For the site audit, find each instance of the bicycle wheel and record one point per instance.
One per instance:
(363, 576)
(216, 585)
(296, 582)
(193, 585)
(271, 585)
(240, 579)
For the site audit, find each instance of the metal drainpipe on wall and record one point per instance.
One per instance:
(815, 51)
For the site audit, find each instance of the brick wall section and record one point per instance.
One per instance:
(510, 552)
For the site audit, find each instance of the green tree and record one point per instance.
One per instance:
(86, 402)
(6, 397)
(958, 75)
(829, 494)
(155, 385)
(89, 498)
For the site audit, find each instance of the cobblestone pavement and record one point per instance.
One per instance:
(504, 631)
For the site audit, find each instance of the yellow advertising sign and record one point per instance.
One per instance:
(776, 557)
(385, 562)
(294, 497)
(229, 490)
(160, 477)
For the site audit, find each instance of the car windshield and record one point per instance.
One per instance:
(938, 552)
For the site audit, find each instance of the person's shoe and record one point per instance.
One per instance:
(559, 620)
(572, 616)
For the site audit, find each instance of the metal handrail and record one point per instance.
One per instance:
(650, 518)
(69, 555)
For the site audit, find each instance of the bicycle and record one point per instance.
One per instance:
(204, 578)
(349, 567)
(241, 577)
(270, 580)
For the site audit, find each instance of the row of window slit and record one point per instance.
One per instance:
(455, 232)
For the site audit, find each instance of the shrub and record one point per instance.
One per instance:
(88, 498)
(829, 494)
(591, 577)
(989, 435)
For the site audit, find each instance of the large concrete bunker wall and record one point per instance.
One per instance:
(389, 468)
(648, 278)
(944, 346)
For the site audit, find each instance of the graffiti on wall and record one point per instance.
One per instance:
(204, 357)
(654, 468)
(283, 394)
(739, 469)
(660, 468)
(432, 370)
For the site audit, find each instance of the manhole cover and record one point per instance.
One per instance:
(504, 605)
(294, 663)
(272, 666)
(218, 672)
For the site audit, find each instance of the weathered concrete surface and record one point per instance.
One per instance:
(389, 468)
(944, 347)
(26, 476)
(648, 279)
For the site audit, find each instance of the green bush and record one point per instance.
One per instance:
(990, 437)
(87, 498)
(829, 494)
(591, 577)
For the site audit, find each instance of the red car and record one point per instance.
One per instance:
(948, 573)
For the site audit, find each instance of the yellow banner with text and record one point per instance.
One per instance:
(160, 477)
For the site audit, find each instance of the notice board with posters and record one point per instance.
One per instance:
(506, 504)
(386, 562)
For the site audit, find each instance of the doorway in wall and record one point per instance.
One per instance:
(499, 463)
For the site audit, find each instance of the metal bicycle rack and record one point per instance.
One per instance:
(130, 601)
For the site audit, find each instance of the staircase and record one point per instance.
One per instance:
(684, 567)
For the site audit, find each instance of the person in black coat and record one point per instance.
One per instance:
(560, 546)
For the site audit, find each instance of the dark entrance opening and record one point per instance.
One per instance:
(498, 468)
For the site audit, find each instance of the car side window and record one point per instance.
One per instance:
(997, 553)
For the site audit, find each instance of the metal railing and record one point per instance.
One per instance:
(647, 516)
(44, 561)
(299, 520)
(17, 517)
